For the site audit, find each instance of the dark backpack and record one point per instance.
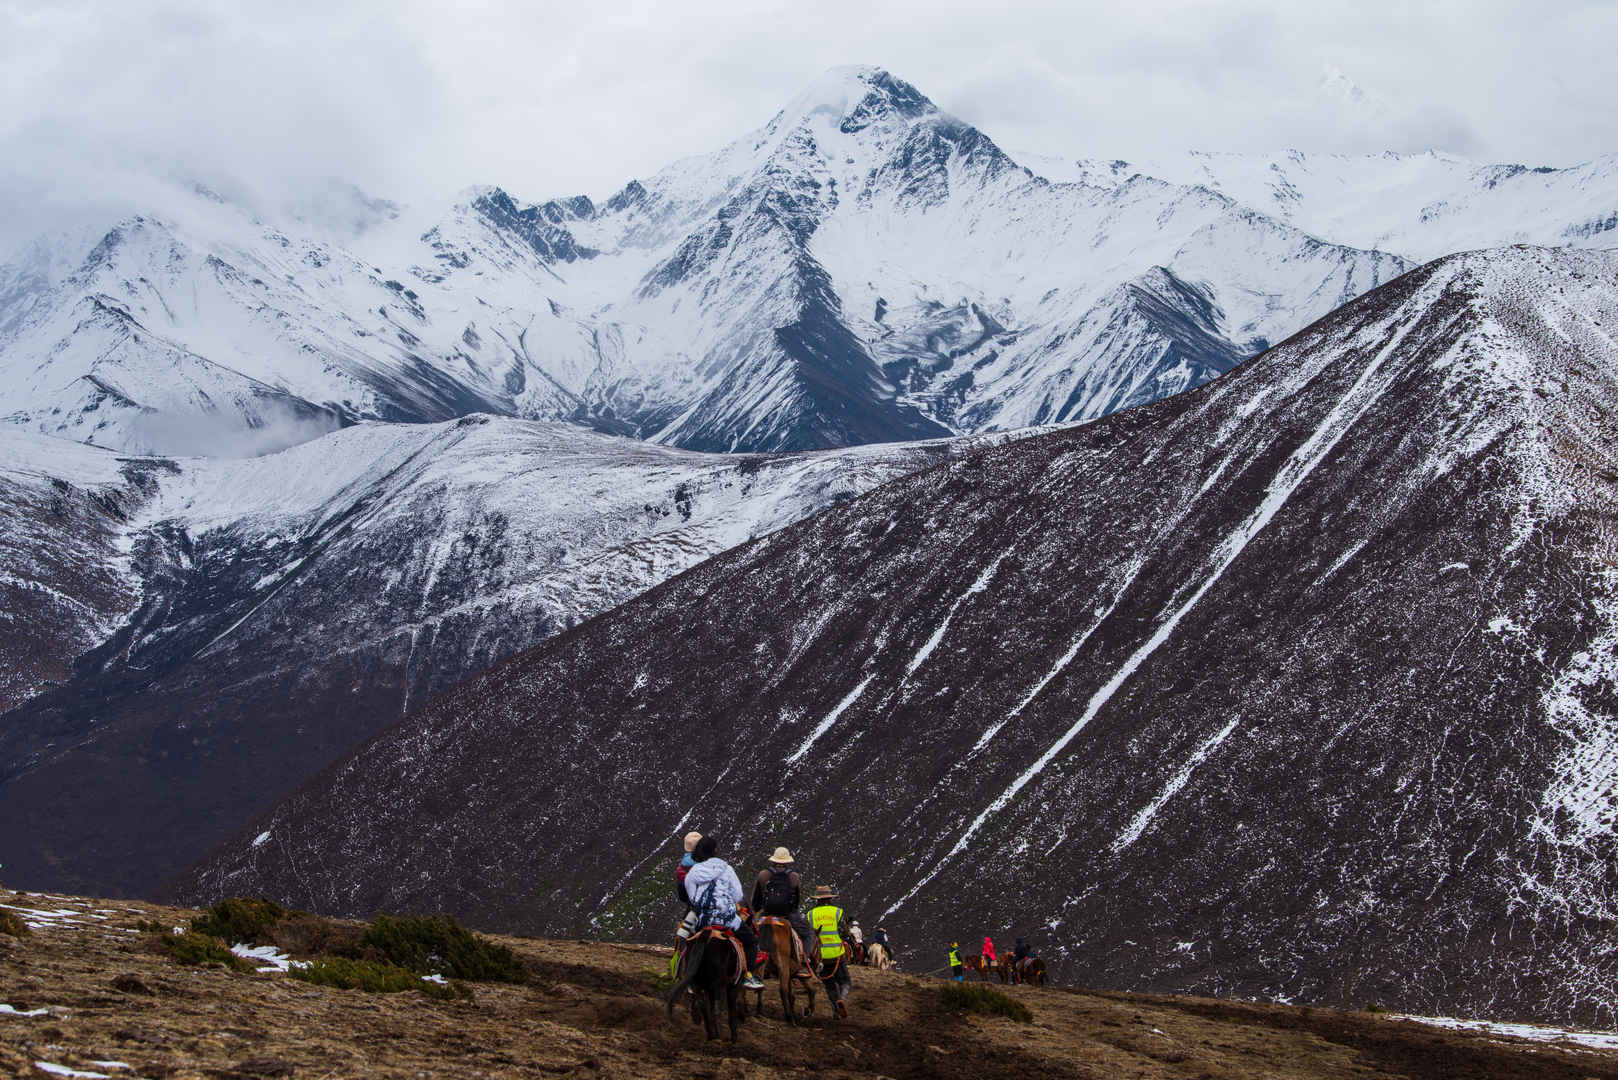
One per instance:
(778, 898)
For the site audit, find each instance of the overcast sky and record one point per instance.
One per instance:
(416, 100)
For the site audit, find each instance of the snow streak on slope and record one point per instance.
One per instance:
(1293, 473)
(1172, 788)
(830, 719)
(931, 643)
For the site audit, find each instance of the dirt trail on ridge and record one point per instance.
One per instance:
(591, 1010)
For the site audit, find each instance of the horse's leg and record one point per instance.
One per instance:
(684, 982)
(710, 1013)
(732, 993)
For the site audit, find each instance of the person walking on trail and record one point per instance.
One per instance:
(827, 921)
(956, 969)
(778, 891)
(716, 894)
(688, 921)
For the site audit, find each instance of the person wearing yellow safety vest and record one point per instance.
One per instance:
(956, 969)
(827, 921)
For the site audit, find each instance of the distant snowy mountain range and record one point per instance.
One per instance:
(183, 639)
(1420, 206)
(863, 268)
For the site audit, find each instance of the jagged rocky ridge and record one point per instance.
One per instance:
(1300, 684)
(863, 268)
(185, 640)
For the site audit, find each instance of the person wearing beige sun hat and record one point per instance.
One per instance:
(778, 891)
(828, 923)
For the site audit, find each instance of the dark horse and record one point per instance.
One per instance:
(712, 965)
(981, 964)
(1031, 970)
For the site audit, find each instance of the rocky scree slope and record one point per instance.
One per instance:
(1299, 684)
(189, 639)
(863, 268)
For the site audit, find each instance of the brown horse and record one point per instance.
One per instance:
(981, 964)
(1031, 970)
(878, 957)
(784, 942)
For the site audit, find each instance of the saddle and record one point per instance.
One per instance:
(726, 934)
(799, 953)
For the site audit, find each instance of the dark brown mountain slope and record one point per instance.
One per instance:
(1299, 685)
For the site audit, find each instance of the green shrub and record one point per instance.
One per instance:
(374, 978)
(240, 920)
(1373, 1007)
(983, 999)
(11, 923)
(200, 949)
(442, 947)
(151, 926)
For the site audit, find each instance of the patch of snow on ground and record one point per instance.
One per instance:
(1597, 1040)
(258, 841)
(63, 1070)
(12, 1010)
(1582, 802)
(272, 958)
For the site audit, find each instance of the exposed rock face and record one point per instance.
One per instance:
(185, 640)
(1299, 684)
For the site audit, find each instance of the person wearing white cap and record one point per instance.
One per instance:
(688, 922)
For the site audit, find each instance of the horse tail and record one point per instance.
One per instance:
(693, 963)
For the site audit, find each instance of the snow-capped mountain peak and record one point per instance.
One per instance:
(816, 282)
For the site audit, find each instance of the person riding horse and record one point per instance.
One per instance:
(827, 921)
(778, 893)
(688, 921)
(716, 893)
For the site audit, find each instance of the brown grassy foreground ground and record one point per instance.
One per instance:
(591, 1011)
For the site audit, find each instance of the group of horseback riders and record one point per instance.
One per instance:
(823, 941)
(1021, 966)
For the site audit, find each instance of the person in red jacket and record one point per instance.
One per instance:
(988, 952)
